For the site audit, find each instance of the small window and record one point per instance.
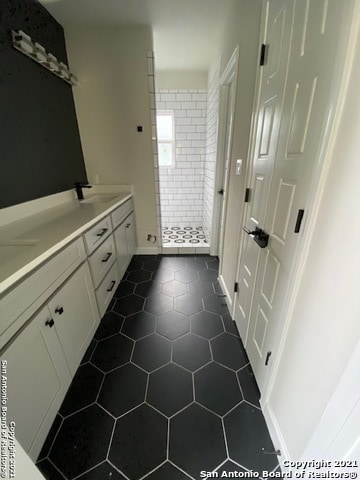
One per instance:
(165, 133)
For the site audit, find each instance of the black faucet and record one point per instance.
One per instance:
(79, 186)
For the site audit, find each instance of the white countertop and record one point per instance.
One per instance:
(27, 243)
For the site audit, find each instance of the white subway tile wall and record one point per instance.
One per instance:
(182, 186)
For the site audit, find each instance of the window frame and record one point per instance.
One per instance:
(167, 113)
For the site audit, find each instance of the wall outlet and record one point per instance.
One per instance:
(151, 238)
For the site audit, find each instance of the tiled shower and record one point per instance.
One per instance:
(185, 189)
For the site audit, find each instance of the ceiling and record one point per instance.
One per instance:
(187, 33)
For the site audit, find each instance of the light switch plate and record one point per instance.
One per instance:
(238, 166)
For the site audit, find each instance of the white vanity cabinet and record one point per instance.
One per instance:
(43, 357)
(123, 220)
(74, 311)
(38, 377)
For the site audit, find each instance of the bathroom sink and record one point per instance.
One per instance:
(99, 199)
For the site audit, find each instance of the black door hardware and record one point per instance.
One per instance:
(50, 323)
(260, 237)
(102, 232)
(299, 220)
(112, 285)
(268, 355)
(59, 310)
(106, 258)
(221, 191)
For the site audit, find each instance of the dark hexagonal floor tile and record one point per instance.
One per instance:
(188, 304)
(104, 471)
(89, 352)
(83, 389)
(191, 352)
(217, 388)
(196, 264)
(173, 325)
(110, 324)
(174, 288)
(48, 470)
(112, 352)
(213, 264)
(139, 325)
(208, 275)
(123, 389)
(196, 440)
(146, 258)
(163, 275)
(148, 289)
(135, 264)
(247, 436)
(248, 385)
(139, 276)
(170, 389)
(230, 325)
(167, 472)
(229, 351)
(201, 288)
(128, 305)
(82, 442)
(186, 276)
(158, 304)
(206, 324)
(152, 265)
(124, 288)
(172, 263)
(139, 442)
(152, 352)
(230, 466)
(215, 304)
(217, 288)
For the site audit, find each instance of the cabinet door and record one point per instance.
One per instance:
(37, 380)
(76, 316)
(121, 248)
(131, 234)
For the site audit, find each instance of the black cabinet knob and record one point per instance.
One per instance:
(50, 323)
(59, 310)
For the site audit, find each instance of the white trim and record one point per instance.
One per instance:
(228, 77)
(225, 292)
(275, 433)
(147, 250)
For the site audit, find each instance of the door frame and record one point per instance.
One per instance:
(228, 77)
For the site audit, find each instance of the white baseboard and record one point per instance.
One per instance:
(275, 434)
(226, 292)
(147, 251)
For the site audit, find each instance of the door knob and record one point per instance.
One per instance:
(259, 235)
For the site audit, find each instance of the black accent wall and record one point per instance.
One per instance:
(40, 149)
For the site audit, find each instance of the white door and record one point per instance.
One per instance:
(277, 20)
(318, 39)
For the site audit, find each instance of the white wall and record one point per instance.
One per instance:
(111, 101)
(180, 80)
(325, 326)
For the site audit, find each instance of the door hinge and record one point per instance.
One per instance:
(236, 287)
(247, 195)
(263, 54)
(268, 355)
(299, 220)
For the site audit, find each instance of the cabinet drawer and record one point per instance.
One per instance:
(102, 259)
(107, 289)
(121, 212)
(97, 234)
(23, 301)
